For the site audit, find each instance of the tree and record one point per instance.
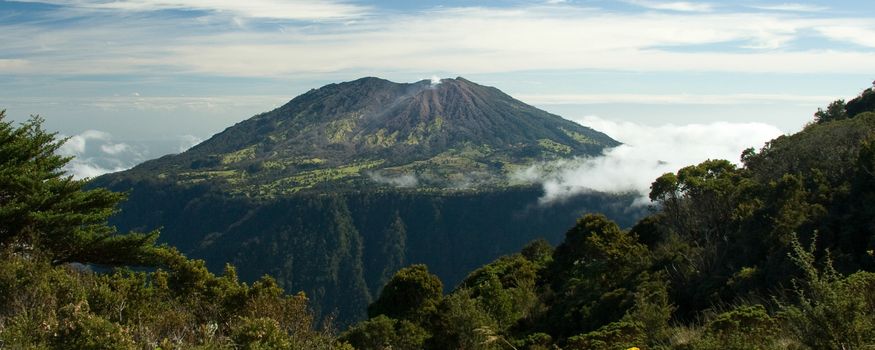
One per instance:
(412, 294)
(594, 274)
(863, 103)
(835, 111)
(43, 210)
(598, 249)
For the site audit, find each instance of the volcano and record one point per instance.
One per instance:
(372, 132)
(337, 189)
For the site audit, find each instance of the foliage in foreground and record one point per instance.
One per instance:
(53, 234)
(182, 306)
(720, 263)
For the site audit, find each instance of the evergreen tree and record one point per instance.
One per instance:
(44, 210)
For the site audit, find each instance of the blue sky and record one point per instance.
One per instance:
(156, 74)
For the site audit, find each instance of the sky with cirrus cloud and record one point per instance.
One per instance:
(155, 73)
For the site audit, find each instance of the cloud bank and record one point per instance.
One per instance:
(647, 152)
(96, 152)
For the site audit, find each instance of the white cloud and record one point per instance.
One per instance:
(854, 34)
(402, 181)
(88, 162)
(75, 145)
(85, 168)
(673, 99)
(464, 40)
(647, 153)
(114, 148)
(683, 6)
(791, 7)
(188, 141)
(483, 41)
(281, 9)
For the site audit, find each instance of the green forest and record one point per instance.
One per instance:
(305, 192)
(774, 254)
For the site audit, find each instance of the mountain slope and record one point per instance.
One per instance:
(425, 133)
(344, 185)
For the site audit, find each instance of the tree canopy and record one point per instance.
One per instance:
(774, 254)
(45, 210)
(48, 221)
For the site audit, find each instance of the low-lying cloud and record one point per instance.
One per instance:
(401, 181)
(647, 152)
(96, 152)
(188, 141)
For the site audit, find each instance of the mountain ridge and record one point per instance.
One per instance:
(443, 133)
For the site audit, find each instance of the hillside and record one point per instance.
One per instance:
(70, 281)
(776, 254)
(344, 185)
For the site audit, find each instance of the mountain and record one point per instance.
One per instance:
(339, 188)
(451, 134)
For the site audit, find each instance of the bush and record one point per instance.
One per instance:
(616, 335)
(384, 333)
(833, 312)
(259, 333)
(78, 328)
(745, 327)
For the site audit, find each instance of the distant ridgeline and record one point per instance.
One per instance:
(344, 185)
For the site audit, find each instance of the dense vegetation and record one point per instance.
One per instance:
(336, 190)
(777, 254)
(341, 248)
(54, 235)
